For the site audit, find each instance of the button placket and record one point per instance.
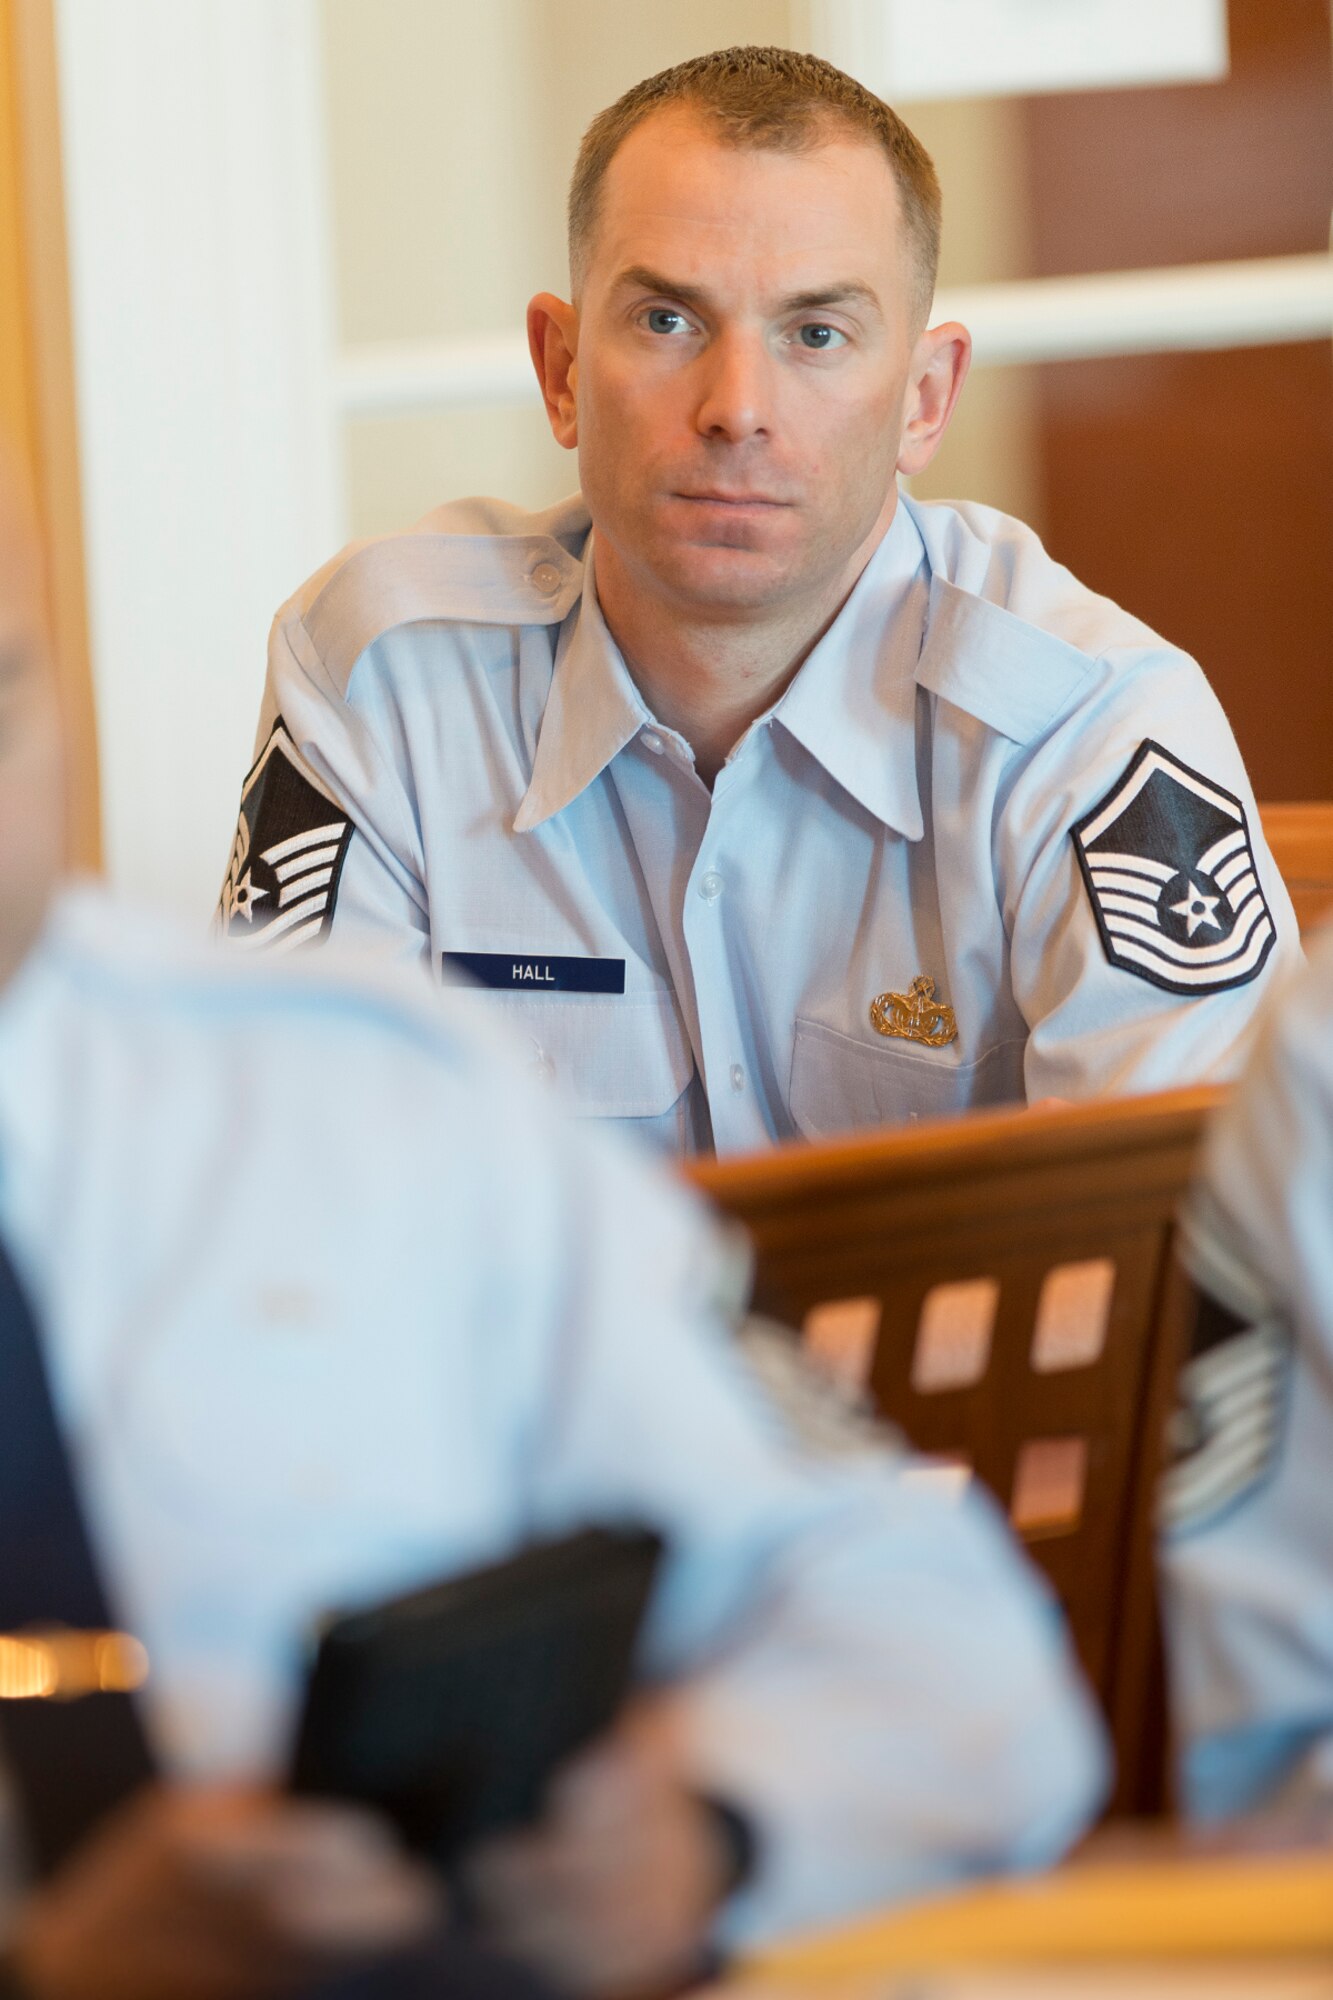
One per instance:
(735, 1111)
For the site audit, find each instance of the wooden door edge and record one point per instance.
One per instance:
(53, 419)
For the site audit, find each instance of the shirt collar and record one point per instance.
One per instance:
(593, 710)
(853, 703)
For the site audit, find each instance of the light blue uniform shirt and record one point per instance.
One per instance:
(487, 786)
(1248, 1551)
(335, 1303)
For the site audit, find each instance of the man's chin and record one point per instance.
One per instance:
(727, 578)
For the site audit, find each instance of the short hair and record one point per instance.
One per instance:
(770, 99)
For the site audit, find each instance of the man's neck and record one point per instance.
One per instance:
(709, 677)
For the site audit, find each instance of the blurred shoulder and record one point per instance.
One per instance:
(128, 964)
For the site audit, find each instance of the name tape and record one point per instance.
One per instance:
(532, 972)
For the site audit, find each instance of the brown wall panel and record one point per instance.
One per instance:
(1198, 488)
(1244, 168)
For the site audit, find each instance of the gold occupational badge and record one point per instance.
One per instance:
(916, 1016)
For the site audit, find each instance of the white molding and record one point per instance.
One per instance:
(396, 375)
(196, 191)
(910, 50)
(1261, 302)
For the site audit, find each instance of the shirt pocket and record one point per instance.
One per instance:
(839, 1084)
(612, 1055)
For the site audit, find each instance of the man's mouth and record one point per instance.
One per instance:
(715, 497)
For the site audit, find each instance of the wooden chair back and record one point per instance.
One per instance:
(1003, 1287)
(1301, 838)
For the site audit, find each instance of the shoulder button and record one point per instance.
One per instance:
(545, 579)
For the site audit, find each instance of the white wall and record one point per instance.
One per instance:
(193, 164)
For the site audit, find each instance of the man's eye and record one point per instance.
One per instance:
(662, 319)
(819, 338)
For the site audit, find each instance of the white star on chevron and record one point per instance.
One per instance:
(1197, 909)
(244, 898)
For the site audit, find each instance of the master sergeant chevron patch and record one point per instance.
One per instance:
(1169, 871)
(287, 857)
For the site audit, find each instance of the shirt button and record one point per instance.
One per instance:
(710, 886)
(652, 741)
(737, 1077)
(545, 579)
(542, 1067)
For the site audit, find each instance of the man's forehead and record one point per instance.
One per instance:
(677, 152)
(686, 203)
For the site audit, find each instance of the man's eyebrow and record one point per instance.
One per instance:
(638, 278)
(852, 291)
(845, 292)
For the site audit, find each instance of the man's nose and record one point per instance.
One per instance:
(736, 389)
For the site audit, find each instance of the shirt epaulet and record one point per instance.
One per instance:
(1011, 634)
(523, 575)
(1006, 672)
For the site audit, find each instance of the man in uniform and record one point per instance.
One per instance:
(763, 799)
(325, 1302)
(1248, 1528)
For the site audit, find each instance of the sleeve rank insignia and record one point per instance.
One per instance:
(1170, 874)
(1224, 1438)
(915, 1016)
(291, 841)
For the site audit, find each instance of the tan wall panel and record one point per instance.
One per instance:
(991, 451)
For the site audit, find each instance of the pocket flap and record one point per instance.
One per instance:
(621, 1055)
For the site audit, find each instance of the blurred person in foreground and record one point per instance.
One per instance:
(330, 1304)
(1248, 1544)
(766, 800)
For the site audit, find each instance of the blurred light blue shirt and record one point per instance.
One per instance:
(334, 1302)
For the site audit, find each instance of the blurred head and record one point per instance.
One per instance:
(32, 821)
(745, 364)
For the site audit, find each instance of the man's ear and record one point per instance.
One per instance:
(935, 379)
(553, 338)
